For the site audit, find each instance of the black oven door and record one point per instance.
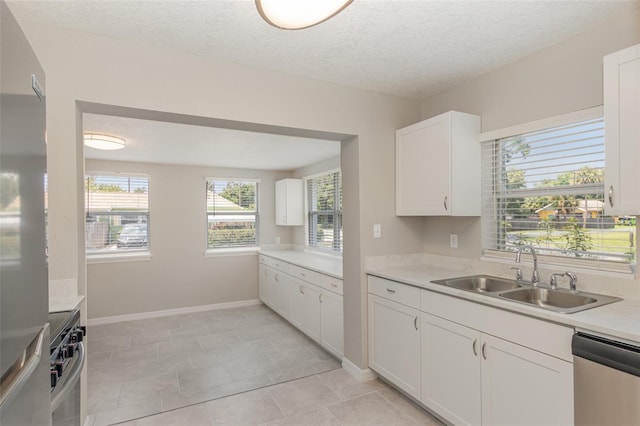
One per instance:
(65, 396)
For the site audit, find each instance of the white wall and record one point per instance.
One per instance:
(178, 273)
(99, 70)
(563, 78)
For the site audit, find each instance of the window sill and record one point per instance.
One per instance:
(593, 267)
(243, 251)
(139, 256)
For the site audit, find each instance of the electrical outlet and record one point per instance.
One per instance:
(453, 240)
(277, 240)
(377, 231)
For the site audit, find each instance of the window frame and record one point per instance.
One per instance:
(119, 255)
(503, 256)
(337, 246)
(238, 250)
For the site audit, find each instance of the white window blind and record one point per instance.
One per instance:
(117, 213)
(232, 213)
(324, 203)
(545, 188)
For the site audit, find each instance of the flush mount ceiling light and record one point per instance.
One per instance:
(299, 14)
(105, 142)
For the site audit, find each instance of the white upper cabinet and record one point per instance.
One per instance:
(289, 202)
(438, 167)
(622, 131)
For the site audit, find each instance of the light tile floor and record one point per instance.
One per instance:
(242, 366)
(140, 368)
(330, 398)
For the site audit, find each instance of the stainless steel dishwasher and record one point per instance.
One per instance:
(606, 381)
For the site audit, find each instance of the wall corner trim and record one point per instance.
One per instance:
(358, 373)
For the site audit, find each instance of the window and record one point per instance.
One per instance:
(545, 188)
(232, 213)
(117, 213)
(324, 205)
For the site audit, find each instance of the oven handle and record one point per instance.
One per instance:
(22, 370)
(71, 381)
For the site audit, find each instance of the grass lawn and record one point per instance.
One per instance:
(622, 239)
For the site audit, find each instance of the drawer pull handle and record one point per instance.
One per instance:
(415, 322)
(302, 289)
(276, 278)
(445, 203)
(334, 285)
(320, 297)
(484, 354)
(303, 274)
(475, 352)
(391, 291)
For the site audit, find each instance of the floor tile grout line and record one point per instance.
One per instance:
(227, 396)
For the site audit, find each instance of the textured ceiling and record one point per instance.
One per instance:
(408, 48)
(412, 49)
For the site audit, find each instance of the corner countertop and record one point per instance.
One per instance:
(59, 304)
(619, 320)
(322, 263)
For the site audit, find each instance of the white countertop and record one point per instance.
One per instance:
(324, 264)
(620, 320)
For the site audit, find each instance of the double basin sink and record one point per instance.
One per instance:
(557, 300)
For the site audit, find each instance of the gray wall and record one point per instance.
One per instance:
(563, 78)
(178, 273)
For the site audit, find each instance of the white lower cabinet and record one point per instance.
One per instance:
(332, 322)
(274, 286)
(305, 309)
(394, 343)
(472, 378)
(523, 386)
(308, 299)
(451, 383)
(469, 363)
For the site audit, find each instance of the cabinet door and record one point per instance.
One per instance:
(279, 293)
(332, 322)
(289, 202)
(451, 381)
(263, 285)
(622, 131)
(305, 308)
(423, 168)
(524, 387)
(394, 343)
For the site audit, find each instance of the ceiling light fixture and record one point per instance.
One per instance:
(299, 14)
(105, 142)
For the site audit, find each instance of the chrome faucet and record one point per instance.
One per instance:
(573, 279)
(535, 277)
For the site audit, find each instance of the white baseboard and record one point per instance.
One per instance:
(168, 312)
(358, 373)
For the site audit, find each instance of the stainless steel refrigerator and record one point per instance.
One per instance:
(25, 387)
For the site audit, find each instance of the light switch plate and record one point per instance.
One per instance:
(377, 231)
(453, 240)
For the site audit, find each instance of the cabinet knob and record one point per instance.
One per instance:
(484, 354)
(415, 322)
(320, 297)
(475, 352)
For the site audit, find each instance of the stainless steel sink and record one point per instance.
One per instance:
(480, 283)
(558, 300)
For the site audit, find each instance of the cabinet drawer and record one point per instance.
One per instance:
(273, 263)
(391, 290)
(332, 284)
